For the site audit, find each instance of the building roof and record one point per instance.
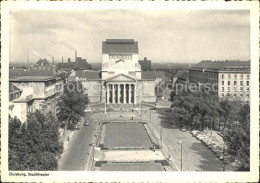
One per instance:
(223, 65)
(90, 75)
(159, 74)
(182, 74)
(31, 78)
(13, 88)
(31, 72)
(148, 75)
(117, 46)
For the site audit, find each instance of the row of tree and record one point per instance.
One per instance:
(200, 110)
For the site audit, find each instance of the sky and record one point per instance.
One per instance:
(186, 36)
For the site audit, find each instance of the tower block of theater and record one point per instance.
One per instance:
(123, 81)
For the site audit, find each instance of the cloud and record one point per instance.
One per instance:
(162, 35)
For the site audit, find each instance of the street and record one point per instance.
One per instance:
(195, 155)
(76, 155)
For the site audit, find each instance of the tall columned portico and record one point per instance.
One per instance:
(120, 93)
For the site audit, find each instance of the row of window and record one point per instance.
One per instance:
(120, 56)
(235, 95)
(235, 76)
(235, 89)
(235, 83)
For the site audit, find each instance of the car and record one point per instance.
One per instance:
(76, 127)
(88, 110)
(86, 123)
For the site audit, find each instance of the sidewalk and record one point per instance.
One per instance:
(133, 156)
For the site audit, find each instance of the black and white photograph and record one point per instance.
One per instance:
(122, 88)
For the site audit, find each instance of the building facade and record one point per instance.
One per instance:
(121, 80)
(34, 93)
(229, 78)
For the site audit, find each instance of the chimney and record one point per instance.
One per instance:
(61, 62)
(69, 60)
(144, 58)
(27, 60)
(75, 55)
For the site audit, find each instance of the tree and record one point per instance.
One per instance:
(72, 104)
(237, 139)
(34, 145)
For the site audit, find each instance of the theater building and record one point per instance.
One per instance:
(121, 80)
(230, 78)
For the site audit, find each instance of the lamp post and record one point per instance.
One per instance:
(181, 154)
(169, 156)
(106, 101)
(161, 134)
(224, 146)
(150, 116)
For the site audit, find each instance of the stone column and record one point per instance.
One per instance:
(135, 94)
(107, 93)
(118, 93)
(129, 94)
(124, 97)
(115, 92)
(112, 94)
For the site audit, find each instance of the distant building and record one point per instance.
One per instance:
(160, 76)
(79, 64)
(29, 93)
(231, 78)
(181, 75)
(146, 65)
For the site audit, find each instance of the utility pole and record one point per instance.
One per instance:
(181, 155)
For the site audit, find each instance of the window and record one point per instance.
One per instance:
(241, 83)
(223, 76)
(235, 94)
(235, 89)
(241, 76)
(222, 89)
(228, 83)
(247, 83)
(223, 83)
(222, 94)
(247, 95)
(247, 89)
(241, 88)
(235, 76)
(228, 89)
(247, 76)
(229, 76)
(241, 94)
(235, 83)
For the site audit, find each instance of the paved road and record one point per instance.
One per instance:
(196, 156)
(76, 155)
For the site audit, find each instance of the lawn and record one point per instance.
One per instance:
(126, 136)
(132, 167)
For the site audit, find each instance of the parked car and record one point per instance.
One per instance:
(86, 123)
(76, 127)
(88, 110)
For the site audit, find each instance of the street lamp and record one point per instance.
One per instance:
(161, 134)
(181, 154)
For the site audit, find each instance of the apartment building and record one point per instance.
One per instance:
(30, 93)
(229, 78)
